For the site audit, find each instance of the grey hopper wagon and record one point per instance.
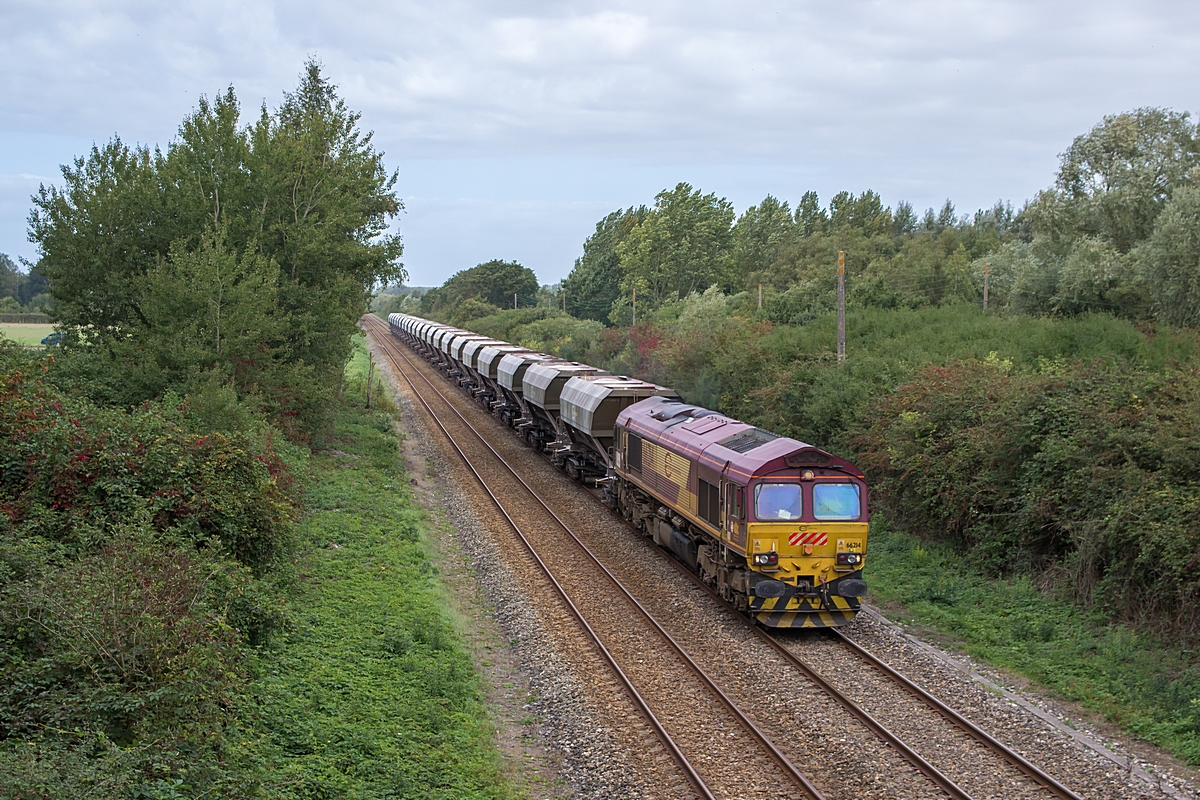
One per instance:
(510, 378)
(588, 414)
(456, 352)
(542, 390)
(452, 345)
(487, 366)
(439, 341)
(469, 361)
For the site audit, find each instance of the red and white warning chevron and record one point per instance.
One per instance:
(797, 538)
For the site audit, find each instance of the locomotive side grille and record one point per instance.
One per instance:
(709, 502)
(635, 452)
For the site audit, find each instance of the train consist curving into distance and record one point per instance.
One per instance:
(776, 526)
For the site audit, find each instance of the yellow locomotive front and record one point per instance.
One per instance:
(806, 538)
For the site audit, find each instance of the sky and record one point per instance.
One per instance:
(515, 126)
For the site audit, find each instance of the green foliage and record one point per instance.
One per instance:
(1091, 234)
(493, 283)
(1116, 178)
(1059, 469)
(546, 330)
(1174, 255)
(135, 558)
(21, 292)
(402, 303)
(369, 695)
(1147, 685)
(281, 224)
(681, 246)
(594, 283)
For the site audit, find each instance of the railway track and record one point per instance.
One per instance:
(964, 761)
(641, 654)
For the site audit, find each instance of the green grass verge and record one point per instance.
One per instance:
(369, 695)
(1149, 687)
(25, 332)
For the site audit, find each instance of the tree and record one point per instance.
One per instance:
(810, 216)
(1116, 178)
(1174, 260)
(682, 246)
(492, 282)
(98, 234)
(327, 201)
(594, 282)
(758, 237)
(213, 315)
(302, 188)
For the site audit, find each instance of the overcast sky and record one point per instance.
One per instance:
(515, 126)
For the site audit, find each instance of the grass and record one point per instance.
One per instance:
(25, 332)
(1149, 687)
(369, 694)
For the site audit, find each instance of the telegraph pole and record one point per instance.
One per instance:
(760, 297)
(514, 299)
(841, 300)
(987, 269)
(635, 307)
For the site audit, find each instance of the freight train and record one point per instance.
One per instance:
(777, 527)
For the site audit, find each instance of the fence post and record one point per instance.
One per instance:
(370, 376)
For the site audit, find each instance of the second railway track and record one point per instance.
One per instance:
(812, 720)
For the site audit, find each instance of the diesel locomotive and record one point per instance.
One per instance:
(777, 527)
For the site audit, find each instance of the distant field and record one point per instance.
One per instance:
(25, 333)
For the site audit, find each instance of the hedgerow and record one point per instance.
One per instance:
(1084, 471)
(135, 559)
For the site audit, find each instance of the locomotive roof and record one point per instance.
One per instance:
(721, 443)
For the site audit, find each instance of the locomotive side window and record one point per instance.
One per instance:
(708, 499)
(832, 501)
(777, 501)
(635, 452)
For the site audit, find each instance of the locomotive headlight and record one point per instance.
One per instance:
(766, 559)
(848, 558)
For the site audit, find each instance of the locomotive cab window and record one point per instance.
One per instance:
(834, 501)
(777, 501)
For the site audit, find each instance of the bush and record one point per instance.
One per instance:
(1080, 471)
(69, 472)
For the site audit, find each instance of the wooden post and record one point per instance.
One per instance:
(370, 377)
(760, 296)
(841, 310)
(987, 269)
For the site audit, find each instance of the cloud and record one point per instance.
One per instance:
(919, 100)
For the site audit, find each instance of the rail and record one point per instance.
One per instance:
(802, 780)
